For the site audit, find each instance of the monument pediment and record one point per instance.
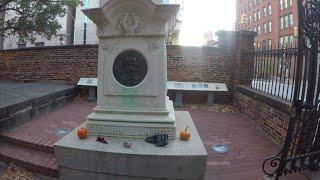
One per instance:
(133, 18)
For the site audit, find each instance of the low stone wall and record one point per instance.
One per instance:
(271, 114)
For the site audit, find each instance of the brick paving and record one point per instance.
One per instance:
(45, 130)
(31, 145)
(248, 146)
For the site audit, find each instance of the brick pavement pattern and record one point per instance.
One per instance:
(248, 146)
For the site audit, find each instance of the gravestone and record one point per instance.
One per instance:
(132, 103)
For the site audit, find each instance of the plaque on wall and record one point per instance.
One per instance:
(130, 68)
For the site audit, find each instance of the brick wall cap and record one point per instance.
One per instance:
(51, 47)
(266, 98)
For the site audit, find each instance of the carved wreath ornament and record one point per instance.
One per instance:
(129, 24)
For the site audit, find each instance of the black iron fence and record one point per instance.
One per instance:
(274, 71)
(301, 149)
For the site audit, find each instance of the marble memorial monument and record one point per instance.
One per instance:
(132, 69)
(132, 103)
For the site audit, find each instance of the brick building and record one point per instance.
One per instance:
(274, 21)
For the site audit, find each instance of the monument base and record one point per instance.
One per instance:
(134, 123)
(88, 159)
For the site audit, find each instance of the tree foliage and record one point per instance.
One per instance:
(28, 18)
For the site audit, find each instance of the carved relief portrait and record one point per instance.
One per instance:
(130, 68)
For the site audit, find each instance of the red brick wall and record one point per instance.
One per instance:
(72, 62)
(201, 64)
(51, 63)
(270, 114)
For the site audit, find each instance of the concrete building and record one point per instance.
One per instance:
(272, 20)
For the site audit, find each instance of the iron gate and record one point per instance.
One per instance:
(301, 149)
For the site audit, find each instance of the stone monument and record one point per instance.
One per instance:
(132, 103)
(132, 71)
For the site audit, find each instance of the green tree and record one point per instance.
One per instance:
(28, 18)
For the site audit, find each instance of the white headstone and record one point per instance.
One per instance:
(132, 69)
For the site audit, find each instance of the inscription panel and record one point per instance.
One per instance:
(134, 132)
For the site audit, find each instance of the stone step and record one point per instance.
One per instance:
(33, 160)
(22, 102)
(37, 143)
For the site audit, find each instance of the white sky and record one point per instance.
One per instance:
(201, 16)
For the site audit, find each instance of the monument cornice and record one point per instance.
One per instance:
(133, 35)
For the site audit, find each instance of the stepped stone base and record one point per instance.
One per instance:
(137, 124)
(88, 159)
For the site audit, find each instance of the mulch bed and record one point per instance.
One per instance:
(214, 108)
(15, 172)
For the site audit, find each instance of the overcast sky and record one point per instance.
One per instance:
(203, 15)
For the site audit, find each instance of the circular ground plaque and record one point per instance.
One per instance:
(130, 68)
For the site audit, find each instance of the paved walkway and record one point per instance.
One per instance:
(248, 146)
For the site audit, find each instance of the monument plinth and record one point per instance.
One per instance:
(132, 69)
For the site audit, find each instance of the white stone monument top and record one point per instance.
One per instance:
(133, 18)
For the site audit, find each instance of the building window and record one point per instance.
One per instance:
(250, 19)
(258, 44)
(258, 30)
(285, 4)
(264, 44)
(281, 22)
(256, 2)
(286, 21)
(286, 41)
(254, 29)
(265, 28)
(290, 20)
(290, 40)
(269, 27)
(259, 15)
(281, 41)
(269, 9)
(269, 44)
(254, 16)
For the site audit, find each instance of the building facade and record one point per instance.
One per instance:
(76, 26)
(274, 21)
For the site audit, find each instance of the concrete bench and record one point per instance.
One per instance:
(195, 86)
(90, 84)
